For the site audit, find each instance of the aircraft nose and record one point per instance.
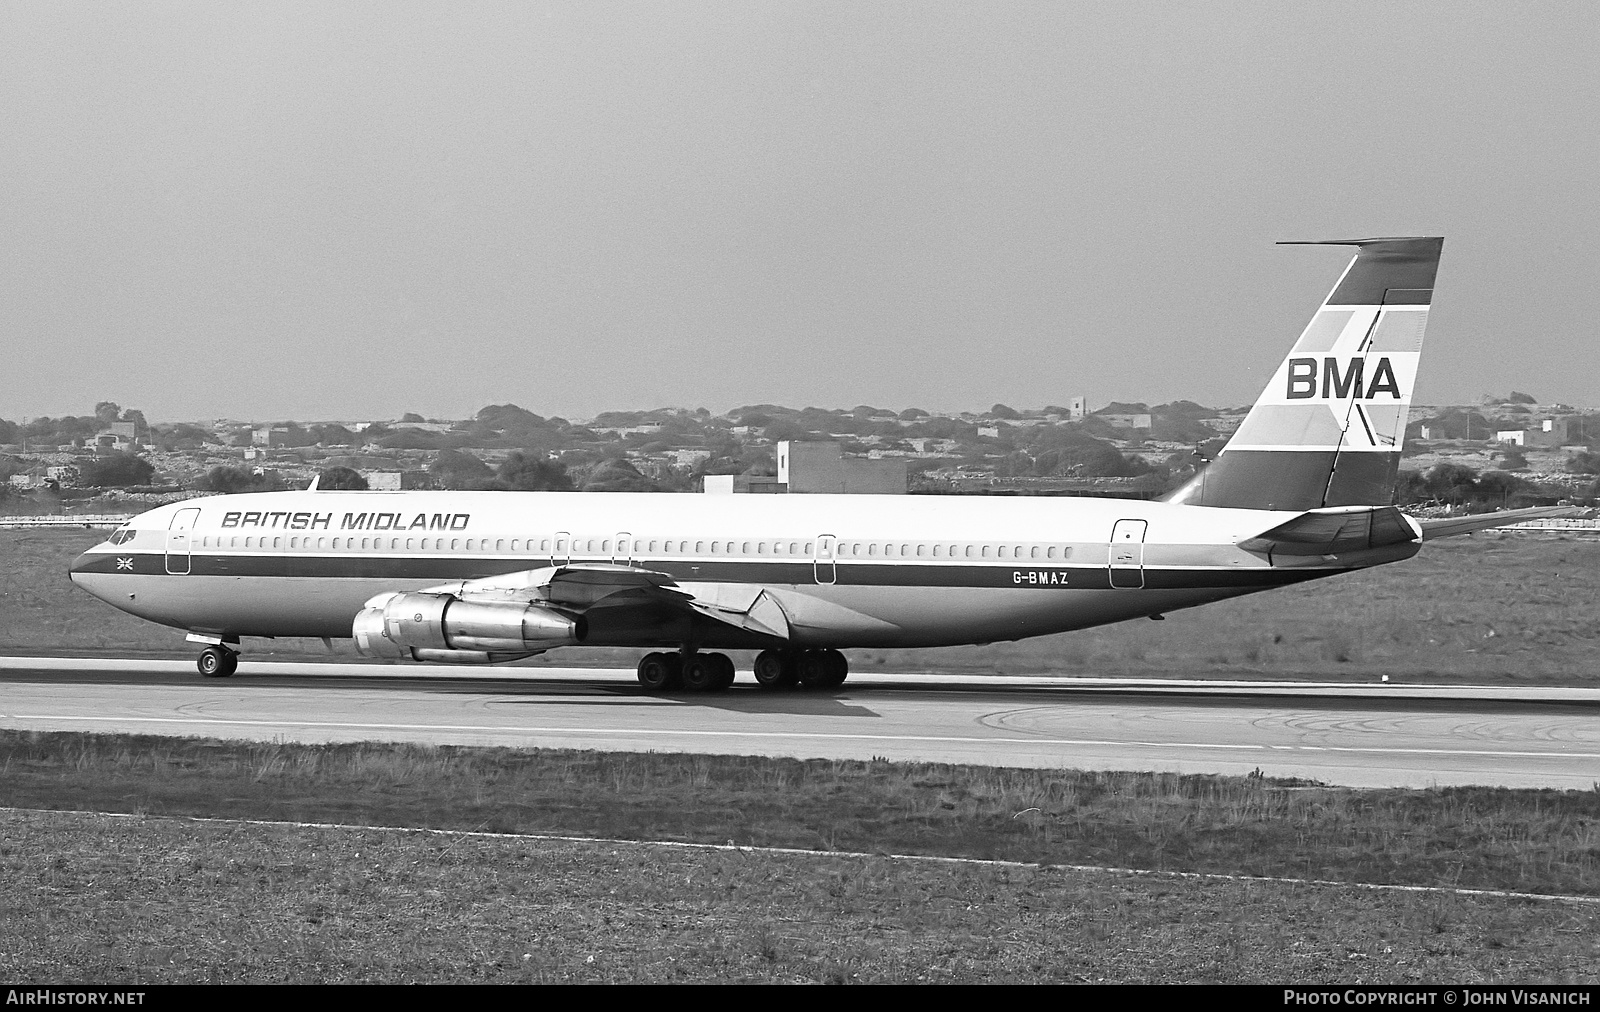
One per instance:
(88, 562)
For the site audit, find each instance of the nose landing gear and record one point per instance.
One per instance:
(217, 661)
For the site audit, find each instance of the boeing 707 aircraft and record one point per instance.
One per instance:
(1303, 490)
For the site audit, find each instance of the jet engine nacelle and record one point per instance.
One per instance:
(442, 627)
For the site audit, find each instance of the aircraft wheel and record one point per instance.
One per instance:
(726, 672)
(775, 669)
(657, 672)
(814, 669)
(217, 662)
(838, 668)
(702, 672)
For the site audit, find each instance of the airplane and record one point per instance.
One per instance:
(1304, 489)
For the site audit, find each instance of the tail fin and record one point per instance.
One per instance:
(1328, 429)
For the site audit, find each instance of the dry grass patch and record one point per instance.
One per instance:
(1540, 841)
(157, 900)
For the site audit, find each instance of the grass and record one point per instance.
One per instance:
(1512, 609)
(1529, 841)
(159, 899)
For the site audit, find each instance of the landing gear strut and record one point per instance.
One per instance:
(217, 662)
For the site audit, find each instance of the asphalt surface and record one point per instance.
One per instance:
(1377, 735)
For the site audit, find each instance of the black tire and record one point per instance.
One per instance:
(657, 672)
(838, 668)
(814, 669)
(701, 672)
(217, 662)
(775, 669)
(726, 673)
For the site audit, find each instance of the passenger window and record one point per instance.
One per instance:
(808, 548)
(921, 550)
(1050, 552)
(455, 543)
(986, 551)
(746, 548)
(499, 545)
(872, 549)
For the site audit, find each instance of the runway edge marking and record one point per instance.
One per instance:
(1090, 869)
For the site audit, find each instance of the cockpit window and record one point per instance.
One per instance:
(122, 536)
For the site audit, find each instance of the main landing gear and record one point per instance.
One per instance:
(217, 661)
(774, 669)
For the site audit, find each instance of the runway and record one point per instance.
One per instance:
(1354, 735)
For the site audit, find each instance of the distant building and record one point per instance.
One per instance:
(419, 426)
(270, 435)
(118, 437)
(1119, 421)
(396, 481)
(647, 429)
(688, 458)
(1546, 434)
(1077, 407)
(742, 484)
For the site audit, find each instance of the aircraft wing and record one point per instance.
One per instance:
(585, 587)
(1446, 527)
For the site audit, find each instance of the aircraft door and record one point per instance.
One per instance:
(561, 549)
(822, 563)
(178, 540)
(1127, 554)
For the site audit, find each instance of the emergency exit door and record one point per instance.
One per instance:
(1127, 554)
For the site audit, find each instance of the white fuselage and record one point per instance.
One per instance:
(847, 570)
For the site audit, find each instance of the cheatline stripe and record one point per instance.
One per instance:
(830, 736)
(979, 862)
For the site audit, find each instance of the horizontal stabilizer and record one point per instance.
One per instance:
(1334, 532)
(1449, 527)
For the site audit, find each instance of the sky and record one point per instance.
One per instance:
(340, 210)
